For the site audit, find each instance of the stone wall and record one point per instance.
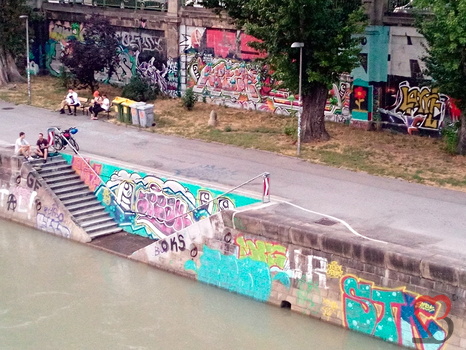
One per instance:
(388, 291)
(28, 200)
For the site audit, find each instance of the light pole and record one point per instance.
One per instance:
(27, 56)
(300, 45)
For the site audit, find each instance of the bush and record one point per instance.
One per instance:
(450, 135)
(139, 89)
(189, 99)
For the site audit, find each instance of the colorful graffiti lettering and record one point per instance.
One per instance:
(314, 266)
(389, 313)
(90, 177)
(273, 254)
(243, 276)
(418, 108)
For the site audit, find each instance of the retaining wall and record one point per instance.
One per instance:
(28, 200)
(388, 291)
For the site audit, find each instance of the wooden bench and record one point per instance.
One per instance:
(85, 104)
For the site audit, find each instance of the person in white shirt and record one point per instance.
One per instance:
(22, 147)
(70, 100)
(102, 104)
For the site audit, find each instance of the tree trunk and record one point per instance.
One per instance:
(462, 135)
(8, 70)
(312, 118)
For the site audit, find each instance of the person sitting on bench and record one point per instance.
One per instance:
(100, 104)
(70, 100)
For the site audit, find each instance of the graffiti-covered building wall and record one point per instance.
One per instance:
(190, 47)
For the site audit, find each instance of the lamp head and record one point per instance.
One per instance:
(23, 16)
(297, 45)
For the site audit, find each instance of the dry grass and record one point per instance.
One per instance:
(416, 159)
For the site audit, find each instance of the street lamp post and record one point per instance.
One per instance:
(300, 45)
(27, 56)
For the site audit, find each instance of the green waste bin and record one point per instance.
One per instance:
(117, 101)
(126, 111)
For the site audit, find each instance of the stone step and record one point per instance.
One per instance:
(100, 226)
(91, 214)
(52, 174)
(78, 200)
(76, 194)
(105, 232)
(57, 179)
(72, 189)
(66, 184)
(84, 207)
(58, 170)
(91, 222)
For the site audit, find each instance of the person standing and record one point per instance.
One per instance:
(70, 100)
(42, 147)
(22, 147)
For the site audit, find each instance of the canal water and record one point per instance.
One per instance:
(59, 294)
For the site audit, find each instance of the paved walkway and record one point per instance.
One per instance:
(384, 209)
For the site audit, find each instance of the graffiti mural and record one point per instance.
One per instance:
(418, 109)
(219, 67)
(337, 108)
(273, 254)
(244, 276)
(148, 205)
(140, 51)
(390, 313)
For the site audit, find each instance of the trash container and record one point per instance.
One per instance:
(118, 108)
(135, 112)
(146, 115)
(126, 111)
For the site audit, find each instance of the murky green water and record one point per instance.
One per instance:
(58, 294)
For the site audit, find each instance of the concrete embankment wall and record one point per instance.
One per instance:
(395, 293)
(26, 199)
(406, 296)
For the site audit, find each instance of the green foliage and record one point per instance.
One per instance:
(65, 79)
(97, 52)
(445, 33)
(189, 99)
(450, 135)
(327, 29)
(12, 28)
(139, 89)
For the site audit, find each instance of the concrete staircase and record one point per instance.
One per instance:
(88, 212)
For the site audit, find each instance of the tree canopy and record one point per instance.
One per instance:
(444, 29)
(12, 37)
(326, 27)
(98, 51)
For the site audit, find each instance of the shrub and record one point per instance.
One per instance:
(189, 99)
(139, 89)
(450, 135)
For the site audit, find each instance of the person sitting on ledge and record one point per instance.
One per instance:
(42, 147)
(22, 147)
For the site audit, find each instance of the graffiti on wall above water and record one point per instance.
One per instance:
(151, 206)
(51, 220)
(393, 314)
(140, 51)
(418, 109)
(219, 66)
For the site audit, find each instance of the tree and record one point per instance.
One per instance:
(326, 27)
(97, 52)
(445, 32)
(12, 38)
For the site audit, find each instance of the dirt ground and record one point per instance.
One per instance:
(382, 153)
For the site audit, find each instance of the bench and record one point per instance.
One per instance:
(85, 104)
